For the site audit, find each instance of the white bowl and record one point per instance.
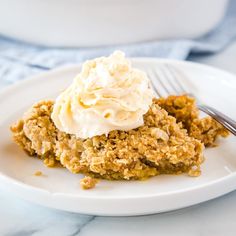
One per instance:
(75, 23)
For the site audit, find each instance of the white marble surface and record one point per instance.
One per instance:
(216, 217)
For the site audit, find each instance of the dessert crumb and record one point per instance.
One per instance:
(38, 173)
(88, 182)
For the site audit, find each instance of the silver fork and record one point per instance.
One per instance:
(167, 80)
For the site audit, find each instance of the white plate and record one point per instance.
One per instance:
(60, 189)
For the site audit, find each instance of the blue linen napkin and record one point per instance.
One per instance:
(19, 60)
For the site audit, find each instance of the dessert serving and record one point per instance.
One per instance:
(108, 125)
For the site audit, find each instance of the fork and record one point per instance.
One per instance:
(167, 80)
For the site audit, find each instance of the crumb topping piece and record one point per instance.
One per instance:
(38, 173)
(88, 182)
(184, 109)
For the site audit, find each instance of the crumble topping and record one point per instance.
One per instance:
(184, 109)
(88, 182)
(38, 173)
(171, 141)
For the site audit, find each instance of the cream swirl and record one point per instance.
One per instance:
(107, 95)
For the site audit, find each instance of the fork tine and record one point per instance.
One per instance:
(169, 80)
(176, 75)
(151, 84)
(166, 80)
(154, 89)
(152, 79)
(159, 76)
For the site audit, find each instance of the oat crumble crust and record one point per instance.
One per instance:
(184, 109)
(163, 145)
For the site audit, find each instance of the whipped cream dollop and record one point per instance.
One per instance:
(107, 95)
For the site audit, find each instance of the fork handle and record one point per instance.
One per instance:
(226, 121)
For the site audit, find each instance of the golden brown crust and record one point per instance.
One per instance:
(183, 108)
(160, 146)
(20, 138)
(36, 133)
(207, 130)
